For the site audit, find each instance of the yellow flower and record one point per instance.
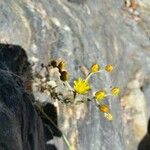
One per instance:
(99, 95)
(108, 116)
(115, 91)
(103, 108)
(81, 86)
(108, 67)
(94, 68)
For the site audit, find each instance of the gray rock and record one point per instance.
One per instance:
(112, 31)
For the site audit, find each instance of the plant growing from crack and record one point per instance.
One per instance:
(82, 87)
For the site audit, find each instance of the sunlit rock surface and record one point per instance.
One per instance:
(83, 32)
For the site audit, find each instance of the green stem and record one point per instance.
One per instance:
(63, 136)
(108, 95)
(75, 100)
(100, 71)
(66, 141)
(89, 75)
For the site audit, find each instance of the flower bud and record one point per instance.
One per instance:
(64, 76)
(54, 63)
(115, 91)
(94, 68)
(61, 66)
(109, 68)
(108, 116)
(99, 95)
(103, 108)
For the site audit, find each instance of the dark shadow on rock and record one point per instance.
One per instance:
(50, 109)
(145, 142)
(21, 126)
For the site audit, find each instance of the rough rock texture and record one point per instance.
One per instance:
(83, 32)
(134, 113)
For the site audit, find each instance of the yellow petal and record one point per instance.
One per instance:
(81, 86)
(75, 82)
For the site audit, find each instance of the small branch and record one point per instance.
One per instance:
(89, 75)
(66, 141)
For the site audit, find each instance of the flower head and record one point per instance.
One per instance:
(94, 68)
(81, 86)
(54, 63)
(99, 95)
(108, 116)
(115, 91)
(108, 67)
(61, 65)
(64, 76)
(103, 108)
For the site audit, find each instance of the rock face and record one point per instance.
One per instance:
(81, 33)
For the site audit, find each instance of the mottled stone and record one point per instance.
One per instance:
(134, 112)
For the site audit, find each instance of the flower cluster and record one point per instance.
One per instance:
(82, 86)
(61, 67)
